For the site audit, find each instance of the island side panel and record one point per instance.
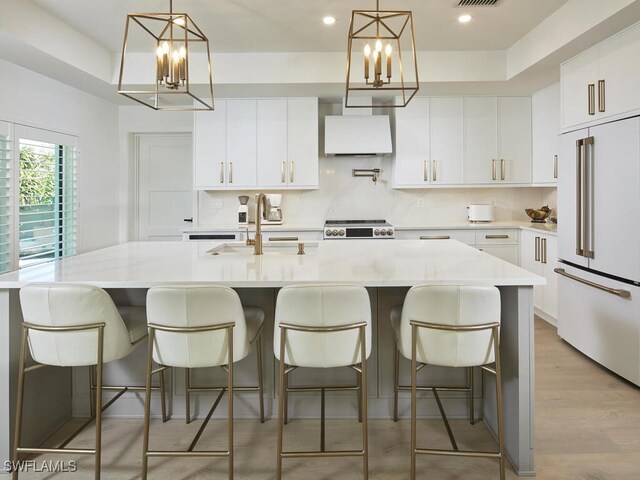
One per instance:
(518, 379)
(40, 419)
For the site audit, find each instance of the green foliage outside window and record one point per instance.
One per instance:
(37, 174)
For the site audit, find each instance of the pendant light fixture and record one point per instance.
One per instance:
(381, 56)
(180, 50)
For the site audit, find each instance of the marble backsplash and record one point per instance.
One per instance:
(342, 196)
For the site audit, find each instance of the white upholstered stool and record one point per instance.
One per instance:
(322, 326)
(450, 326)
(198, 327)
(72, 326)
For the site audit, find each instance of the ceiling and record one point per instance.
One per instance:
(296, 25)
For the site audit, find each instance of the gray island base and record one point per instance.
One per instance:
(387, 269)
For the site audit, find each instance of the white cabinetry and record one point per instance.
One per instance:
(497, 140)
(446, 134)
(545, 129)
(540, 255)
(601, 83)
(257, 143)
(411, 167)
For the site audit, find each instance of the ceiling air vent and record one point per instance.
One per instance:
(478, 3)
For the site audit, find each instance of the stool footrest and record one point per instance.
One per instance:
(326, 453)
(201, 453)
(70, 451)
(457, 453)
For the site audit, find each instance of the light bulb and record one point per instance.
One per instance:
(378, 45)
(159, 51)
(165, 47)
(466, 18)
(176, 56)
(387, 50)
(183, 52)
(367, 50)
(179, 21)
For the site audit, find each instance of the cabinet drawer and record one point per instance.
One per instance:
(507, 236)
(508, 253)
(464, 236)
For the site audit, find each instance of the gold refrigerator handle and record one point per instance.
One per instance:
(587, 198)
(493, 167)
(614, 291)
(537, 250)
(579, 145)
(591, 92)
(601, 96)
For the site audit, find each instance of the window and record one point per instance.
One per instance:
(46, 195)
(5, 197)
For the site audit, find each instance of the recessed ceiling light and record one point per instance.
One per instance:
(464, 18)
(329, 20)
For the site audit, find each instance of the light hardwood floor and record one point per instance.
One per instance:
(587, 427)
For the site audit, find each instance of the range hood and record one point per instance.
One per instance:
(357, 135)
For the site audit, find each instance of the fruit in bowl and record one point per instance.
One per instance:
(540, 215)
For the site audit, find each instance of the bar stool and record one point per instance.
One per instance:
(71, 326)
(451, 326)
(322, 326)
(197, 327)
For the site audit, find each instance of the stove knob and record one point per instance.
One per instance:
(389, 232)
(335, 233)
(383, 232)
(328, 233)
(376, 232)
(341, 233)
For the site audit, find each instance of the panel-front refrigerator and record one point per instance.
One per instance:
(599, 244)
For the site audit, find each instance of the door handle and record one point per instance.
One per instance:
(291, 170)
(537, 252)
(543, 255)
(435, 237)
(230, 172)
(221, 172)
(493, 162)
(502, 168)
(434, 171)
(282, 173)
(555, 166)
(496, 237)
(601, 96)
(592, 98)
(614, 291)
(587, 228)
(426, 170)
(579, 146)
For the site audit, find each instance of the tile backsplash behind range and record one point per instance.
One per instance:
(342, 196)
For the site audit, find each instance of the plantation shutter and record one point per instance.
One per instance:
(6, 206)
(47, 195)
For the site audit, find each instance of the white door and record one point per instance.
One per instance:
(165, 186)
(241, 171)
(447, 140)
(481, 139)
(303, 142)
(576, 76)
(412, 144)
(514, 115)
(272, 142)
(614, 204)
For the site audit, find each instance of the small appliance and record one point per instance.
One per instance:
(358, 229)
(274, 212)
(243, 210)
(480, 213)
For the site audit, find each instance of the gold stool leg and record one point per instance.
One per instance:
(472, 417)
(187, 395)
(363, 397)
(414, 372)
(396, 382)
(260, 378)
(281, 404)
(98, 456)
(147, 408)
(17, 433)
(496, 346)
(92, 392)
(230, 401)
(286, 398)
(163, 400)
(359, 397)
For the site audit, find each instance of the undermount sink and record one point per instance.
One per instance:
(280, 248)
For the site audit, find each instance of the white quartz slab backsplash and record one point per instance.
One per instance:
(342, 196)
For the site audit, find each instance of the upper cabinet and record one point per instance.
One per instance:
(498, 140)
(257, 143)
(446, 135)
(601, 83)
(545, 131)
(412, 147)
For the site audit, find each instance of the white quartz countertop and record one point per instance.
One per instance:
(365, 262)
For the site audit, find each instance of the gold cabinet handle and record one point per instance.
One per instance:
(435, 237)
(221, 172)
(495, 237)
(614, 291)
(291, 170)
(230, 172)
(426, 170)
(579, 145)
(544, 250)
(502, 168)
(283, 239)
(282, 173)
(493, 163)
(555, 166)
(537, 252)
(434, 177)
(591, 92)
(601, 95)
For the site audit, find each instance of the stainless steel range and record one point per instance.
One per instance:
(357, 229)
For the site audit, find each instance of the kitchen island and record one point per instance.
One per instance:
(386, 268)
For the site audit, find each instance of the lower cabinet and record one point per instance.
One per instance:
(539, 256)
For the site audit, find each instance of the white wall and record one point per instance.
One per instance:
(32, 99)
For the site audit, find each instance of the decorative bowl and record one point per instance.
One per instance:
(538, 215)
